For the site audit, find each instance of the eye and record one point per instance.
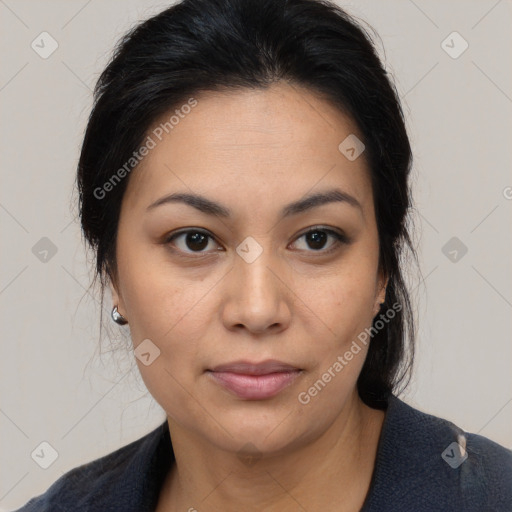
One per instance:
(196, 241)
(192, 241)
(316, 238)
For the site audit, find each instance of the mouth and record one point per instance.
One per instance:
(255, 381)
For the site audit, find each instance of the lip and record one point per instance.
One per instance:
(255, 381)
(250, 368)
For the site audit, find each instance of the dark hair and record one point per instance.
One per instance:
(207, 45)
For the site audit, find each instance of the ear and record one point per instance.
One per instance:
(380, 297)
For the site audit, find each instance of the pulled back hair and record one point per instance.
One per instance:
(212, 45)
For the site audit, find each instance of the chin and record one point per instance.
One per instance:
(268, 432)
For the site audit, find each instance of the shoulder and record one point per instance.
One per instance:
(117, 477)
(428, 463)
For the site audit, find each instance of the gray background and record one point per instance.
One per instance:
(61, 385)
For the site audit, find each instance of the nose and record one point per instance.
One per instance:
(257, 298)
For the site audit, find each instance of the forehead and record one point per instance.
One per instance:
(243, 145)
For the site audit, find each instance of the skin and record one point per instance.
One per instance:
(255, 151)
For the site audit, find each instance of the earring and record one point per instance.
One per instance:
(117, 317)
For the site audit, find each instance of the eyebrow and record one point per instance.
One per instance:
(210, 207)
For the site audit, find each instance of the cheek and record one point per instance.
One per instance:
(174, 313)
(168, 311)
(344, 303)
(158, 298)
(176, 318)
(344, 299)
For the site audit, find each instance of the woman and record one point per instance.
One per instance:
(244, 184)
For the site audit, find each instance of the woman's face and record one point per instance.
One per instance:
(247, 284)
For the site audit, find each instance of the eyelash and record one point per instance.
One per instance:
(340, 238)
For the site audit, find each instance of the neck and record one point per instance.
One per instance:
(332, 472)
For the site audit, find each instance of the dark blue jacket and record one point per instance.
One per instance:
(424, 463)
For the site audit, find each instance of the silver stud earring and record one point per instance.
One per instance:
(117, 317)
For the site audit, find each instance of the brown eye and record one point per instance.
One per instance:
(316, 240)
(191, 241)
(196, 241)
